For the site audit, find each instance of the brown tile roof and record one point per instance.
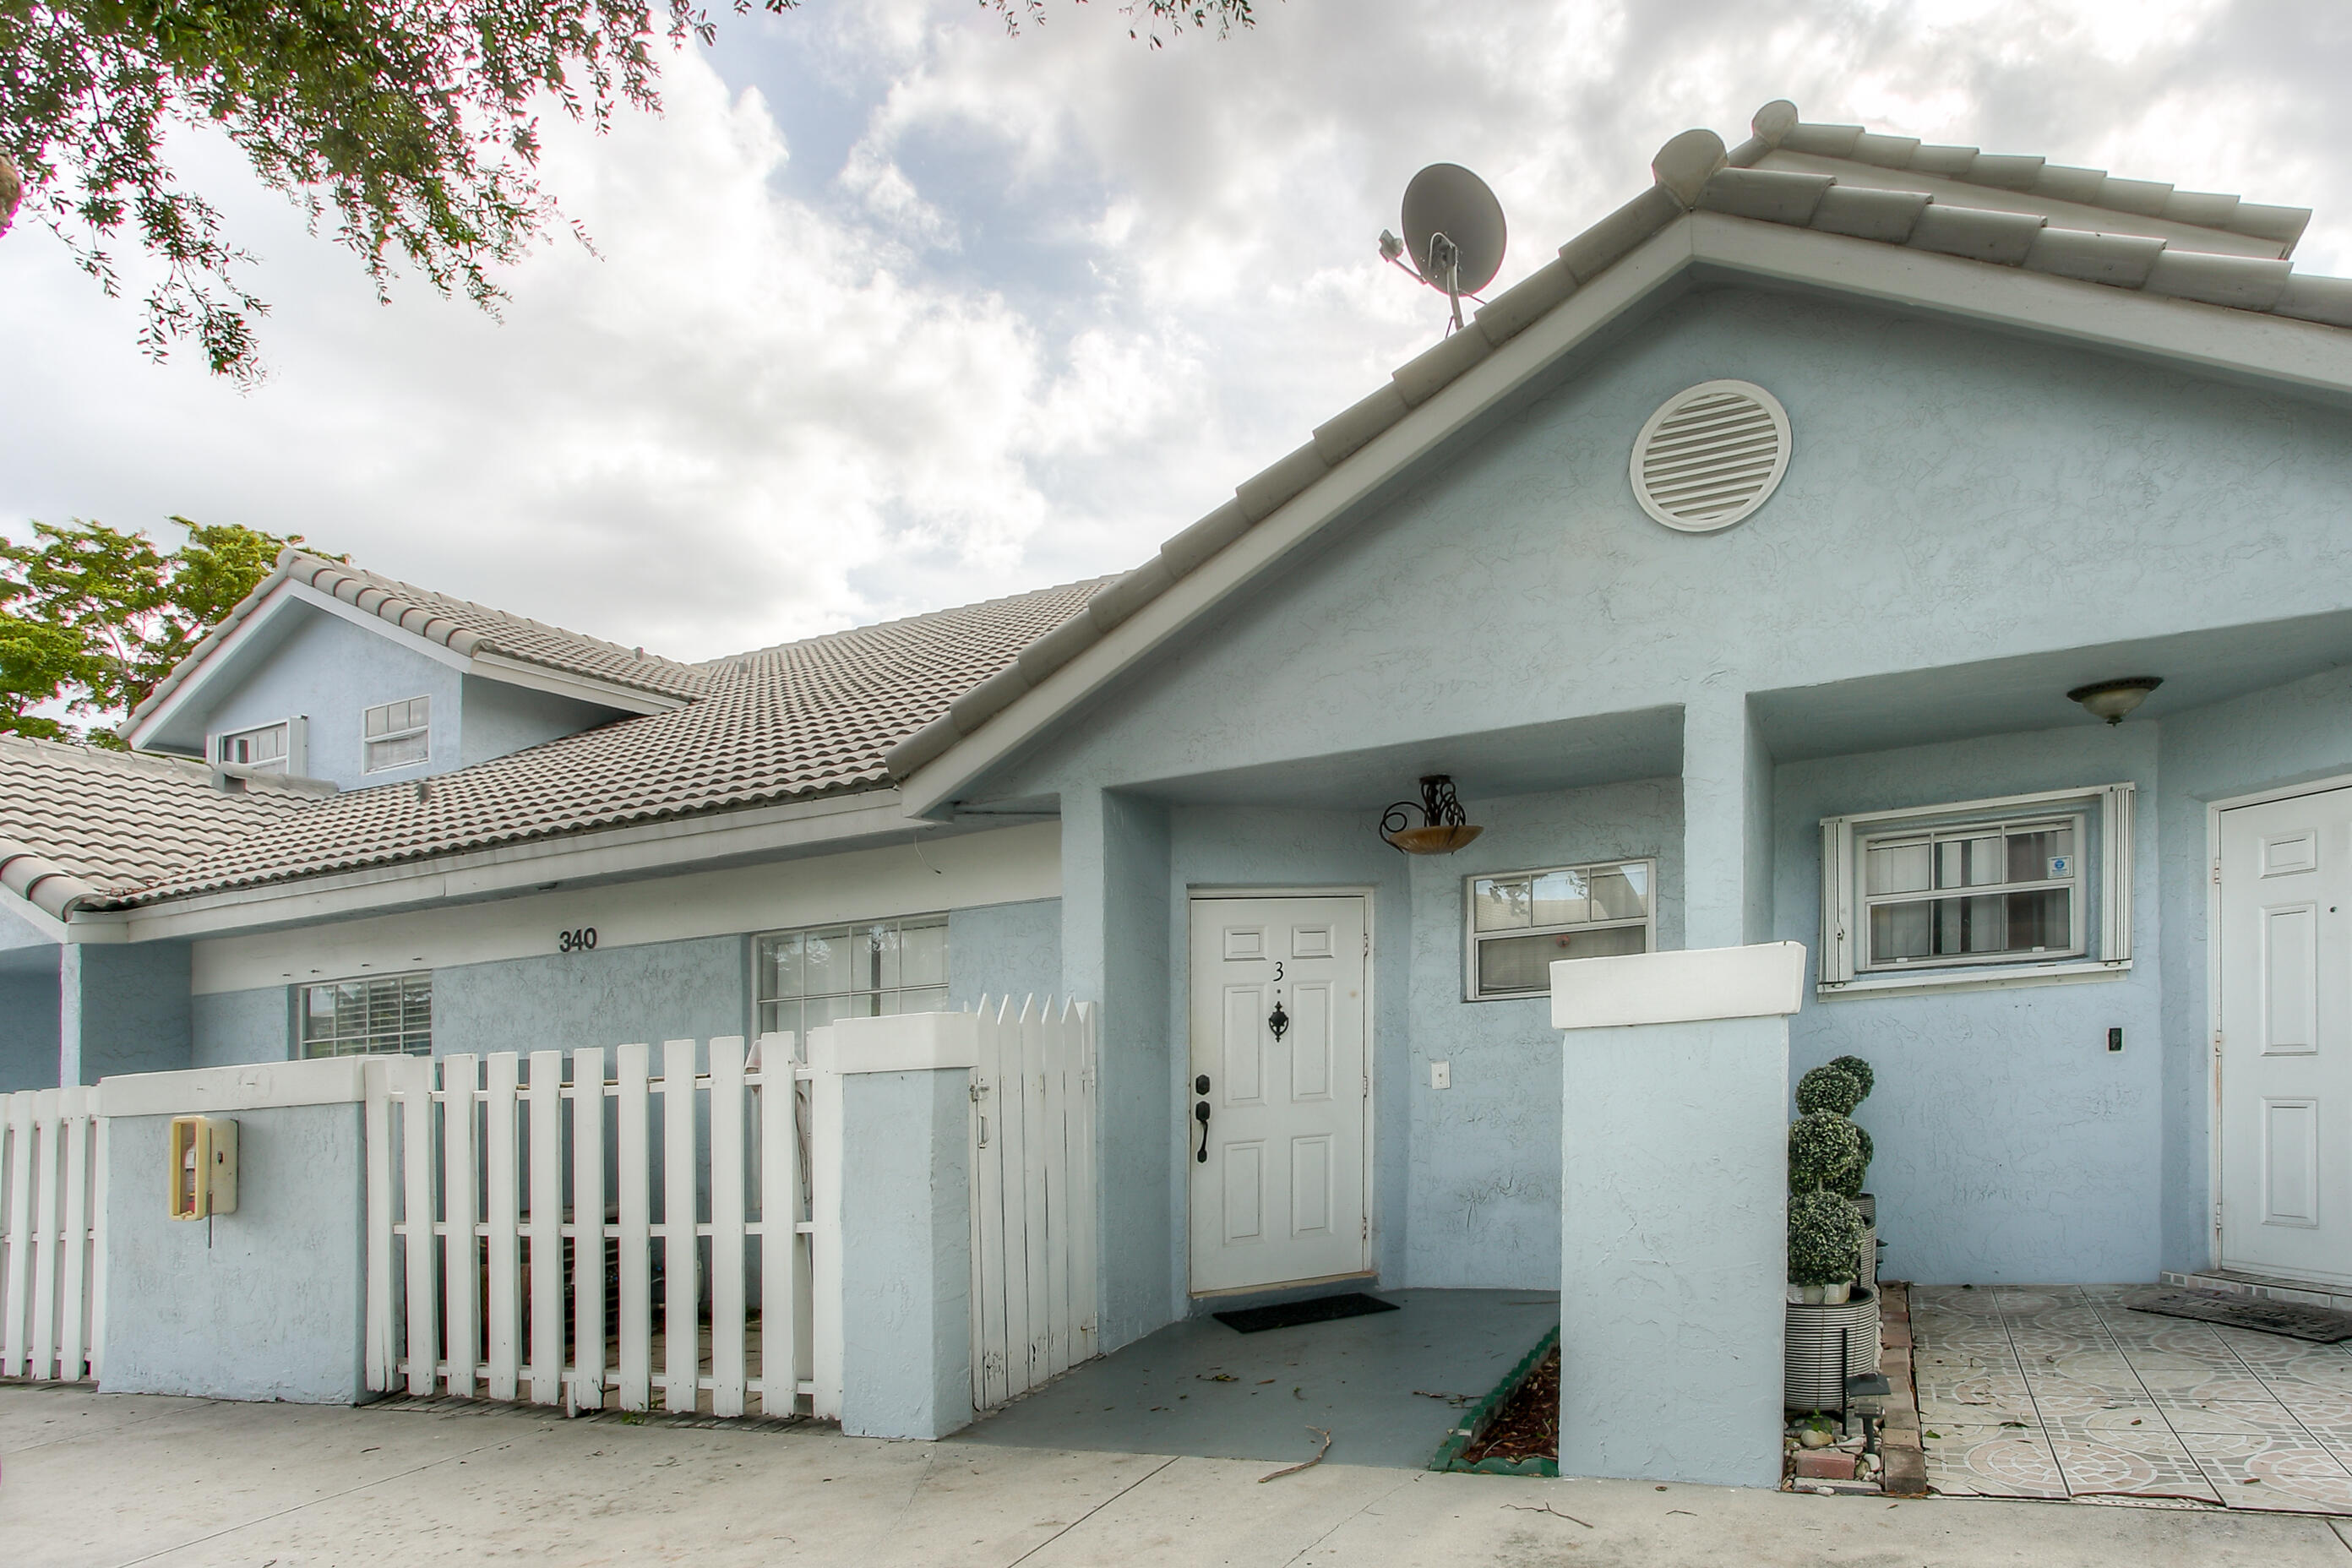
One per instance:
(458, 625)
(804, 719)
(78, 825)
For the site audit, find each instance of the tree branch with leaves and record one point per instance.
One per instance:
(410, 128)
(92, 617)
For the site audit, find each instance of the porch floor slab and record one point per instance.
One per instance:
(2057, 1391)
(1388, 1386)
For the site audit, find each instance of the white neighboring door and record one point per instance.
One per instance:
(2285, 1047)
(1278, 1179)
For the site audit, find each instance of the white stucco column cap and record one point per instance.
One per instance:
(258, 1086)
(911, 1042)
(1761, 982)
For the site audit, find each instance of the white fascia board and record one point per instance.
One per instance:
(2246, 344)
(563, 683)
(1990, 804)
(637, 849)
(33, 915)
(1590, 309)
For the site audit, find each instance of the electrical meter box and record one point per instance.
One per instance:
(202, 1167)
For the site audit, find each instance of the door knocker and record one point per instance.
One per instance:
(1278, 1021)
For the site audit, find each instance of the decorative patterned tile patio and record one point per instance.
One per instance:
(2049, 1391)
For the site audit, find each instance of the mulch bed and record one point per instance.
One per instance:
(1528, 1425)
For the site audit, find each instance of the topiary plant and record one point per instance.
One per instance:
(1859, 1070)
(1851, 1185)
(1830, 1088)
(1824, 1149)
(1825, 1239)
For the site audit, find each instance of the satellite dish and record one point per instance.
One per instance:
(1454, 232)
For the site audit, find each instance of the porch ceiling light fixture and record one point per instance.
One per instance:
(2111, 699)
(1444, 827)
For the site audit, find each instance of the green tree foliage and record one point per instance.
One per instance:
(1824, 1149)
(1830, 1088)
(93, 616)
(412, 127)
(1825, 1235)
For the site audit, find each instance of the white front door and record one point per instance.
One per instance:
(1279, 1066)
(2285, 1046)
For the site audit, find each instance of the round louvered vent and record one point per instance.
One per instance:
(1711, 456)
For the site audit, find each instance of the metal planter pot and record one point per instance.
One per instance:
(1825, 1345)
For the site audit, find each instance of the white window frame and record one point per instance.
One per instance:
(368, 743)
(2106, 808)
(302, 1010)
(760, 999)
(292, 761)
(1472, 936)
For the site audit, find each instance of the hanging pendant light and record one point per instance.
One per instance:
(1445, 826)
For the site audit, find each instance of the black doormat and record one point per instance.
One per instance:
(1287, 1314)
(2320, 1325)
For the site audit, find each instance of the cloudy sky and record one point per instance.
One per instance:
(891, 312)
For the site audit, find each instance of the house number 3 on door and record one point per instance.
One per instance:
(580, 938)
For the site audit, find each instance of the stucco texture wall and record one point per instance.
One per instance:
(28, 1018)
(231, 1028)
(2010, 1144)
(613, 996)
(122, 1007)
(1484, 1154)
(266, 1303)
(1004, 951)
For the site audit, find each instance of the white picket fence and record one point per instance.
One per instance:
(52, 1257)
(1034, 1197)
(508, 1258)
(488, 1276)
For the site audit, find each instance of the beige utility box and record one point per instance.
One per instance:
(204, 1166)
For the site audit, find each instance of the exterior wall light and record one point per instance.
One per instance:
(2111, 699)
(1443, 826)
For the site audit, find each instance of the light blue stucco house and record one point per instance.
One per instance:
(1735, 569)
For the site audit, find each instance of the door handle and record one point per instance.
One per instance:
(1201, 1114)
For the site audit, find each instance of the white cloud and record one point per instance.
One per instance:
(1009, 312)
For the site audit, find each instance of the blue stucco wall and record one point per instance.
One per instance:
(1674, 1230)
(266, 1303)
(122, 1007)
(231, 1028)
(498, 719)
(332, 672)
(28, 1018)
(905, 1254)
(615, 996)
(2010, 1144)
(2291, 734)
(1484, 1172)
(1001, 950)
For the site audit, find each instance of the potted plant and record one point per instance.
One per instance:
(1832, 1323)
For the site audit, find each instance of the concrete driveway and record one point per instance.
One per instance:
(100, 1480)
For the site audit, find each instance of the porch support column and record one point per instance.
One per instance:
(1727, 822)
(122, 1007)
(1117, 904)
(905, 1196)
(1673, 1203)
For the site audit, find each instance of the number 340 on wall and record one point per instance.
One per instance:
(581, 938)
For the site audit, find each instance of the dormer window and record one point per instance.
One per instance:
(398, 734)
(262, 747)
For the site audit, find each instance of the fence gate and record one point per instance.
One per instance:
(52, 1203)
(1033, 1211)
(549, 1238)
